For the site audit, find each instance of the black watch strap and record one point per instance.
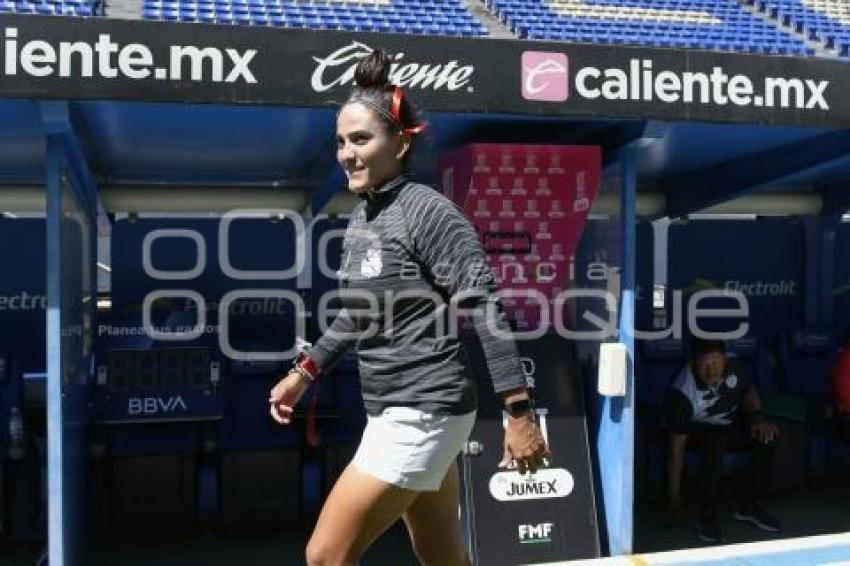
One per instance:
(519, 407)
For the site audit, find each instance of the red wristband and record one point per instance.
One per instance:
(307, 365)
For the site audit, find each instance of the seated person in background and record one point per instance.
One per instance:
(841, 391)
(713, 408)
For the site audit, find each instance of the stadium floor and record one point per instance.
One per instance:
(216, 549)
(823, 509)
(824, 550)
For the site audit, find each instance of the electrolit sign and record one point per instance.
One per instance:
(23, 301)
(781, 288)
(549, 483)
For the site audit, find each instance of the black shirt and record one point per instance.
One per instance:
(689, 400)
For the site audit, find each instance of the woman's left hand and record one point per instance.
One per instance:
(524, 444)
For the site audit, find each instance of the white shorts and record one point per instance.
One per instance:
(410, 448)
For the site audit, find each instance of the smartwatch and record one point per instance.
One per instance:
(520, 407)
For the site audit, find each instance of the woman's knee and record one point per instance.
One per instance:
(321, 552)
(317, 553)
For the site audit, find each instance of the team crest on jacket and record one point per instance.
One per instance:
(371, 265)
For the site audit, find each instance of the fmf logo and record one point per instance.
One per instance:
(548, 483)
(155, 405)
(531, 534)
(544, 76)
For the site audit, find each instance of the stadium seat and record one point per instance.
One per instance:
(807, 357)
(257, 452)
(20, 461)
(398, 16)
(818, 20)
(700, 24)
(153, 472)
(53, 7)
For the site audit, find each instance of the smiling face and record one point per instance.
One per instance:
(366, 150)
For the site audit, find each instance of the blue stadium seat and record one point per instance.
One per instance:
(400, 16)
(805, 18)
(257, 452)
(807, 360)
(806, 357)
(49, 7)
(701, 24)
(153, 470)
(21, 461)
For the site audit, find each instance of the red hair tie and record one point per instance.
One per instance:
(395, 110)
(413, 130)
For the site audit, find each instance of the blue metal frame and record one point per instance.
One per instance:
(836, 198)
(813, 272)
(820, 254)
(55, 407)
(616, 429)
(57, 123)
(826, 305)
(836, 202)
(65, 162)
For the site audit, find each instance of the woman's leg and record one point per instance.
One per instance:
(434, 526)
(358, 510)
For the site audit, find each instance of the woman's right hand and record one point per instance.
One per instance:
(285, 395)
(524, 444)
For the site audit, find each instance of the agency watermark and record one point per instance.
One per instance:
(458, 293)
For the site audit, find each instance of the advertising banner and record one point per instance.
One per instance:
(46, 57)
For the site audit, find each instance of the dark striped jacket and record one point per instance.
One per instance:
(409, 253)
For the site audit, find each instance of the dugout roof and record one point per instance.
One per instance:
(156, 103)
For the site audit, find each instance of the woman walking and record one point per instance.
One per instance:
(410, 260)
